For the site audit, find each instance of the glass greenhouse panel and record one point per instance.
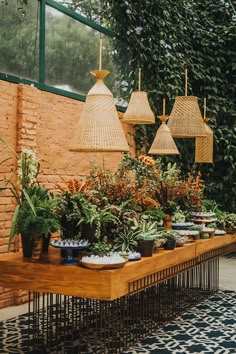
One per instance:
(19, 38)
(72, 51)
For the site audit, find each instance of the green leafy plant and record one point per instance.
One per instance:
(169, 235)
(27, 171)
(146, 230)
(101, 247)
(227, 221)
(204, 235)
(126, 240)
(155, 215)
(42, 218)
(179, 216)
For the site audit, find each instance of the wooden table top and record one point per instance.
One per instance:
(50, 276)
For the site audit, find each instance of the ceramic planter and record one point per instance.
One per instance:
(170, 245)
(27, 245)
(146, 247)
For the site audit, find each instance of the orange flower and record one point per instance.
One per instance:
(147, 160)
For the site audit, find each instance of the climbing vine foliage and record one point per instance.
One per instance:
(165, 37)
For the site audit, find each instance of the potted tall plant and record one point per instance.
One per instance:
(34, 212)
(36, 222)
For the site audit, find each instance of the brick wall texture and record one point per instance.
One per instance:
(43, 122)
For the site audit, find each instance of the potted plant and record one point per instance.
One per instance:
(170, 237)
(126, 240)
(227, 221)
(36, 222)
(146, 244)
(34, 214)
(148, 232)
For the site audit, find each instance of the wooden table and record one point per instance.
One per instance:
(117, 295)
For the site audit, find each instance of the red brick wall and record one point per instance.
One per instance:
(43, 122)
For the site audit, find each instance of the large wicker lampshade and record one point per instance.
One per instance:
(204, 144)
(99, 127)
(163, 144)
(139, 110)
(185, 120)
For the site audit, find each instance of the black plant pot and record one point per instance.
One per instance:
(146, 247)
(88, 232)
(27, 245)
(46, 241)
(169, 245)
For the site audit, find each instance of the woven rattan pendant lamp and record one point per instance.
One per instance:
(99, 127)
(204, 144)
(163, 144)
(185, 120)
(139, 110)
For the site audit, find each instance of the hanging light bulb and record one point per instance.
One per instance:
(99, 127)
(185, 120)
(139, 110)
(204, 144)
(163, 144)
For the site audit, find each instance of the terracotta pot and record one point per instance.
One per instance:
(167, 221)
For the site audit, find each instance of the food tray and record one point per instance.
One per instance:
(100, 266)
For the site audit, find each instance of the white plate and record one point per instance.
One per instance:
(203, 214)
(220, 232)
(182, 224)
(187, 232)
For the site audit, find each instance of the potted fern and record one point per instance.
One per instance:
(36, 222)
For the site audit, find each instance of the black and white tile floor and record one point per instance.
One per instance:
(208, 328)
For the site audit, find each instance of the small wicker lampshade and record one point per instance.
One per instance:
(99, 127)
(139, 110)
(163, 144)
(204, 145)
(185, 120)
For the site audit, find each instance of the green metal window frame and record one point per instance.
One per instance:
(40, 84)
